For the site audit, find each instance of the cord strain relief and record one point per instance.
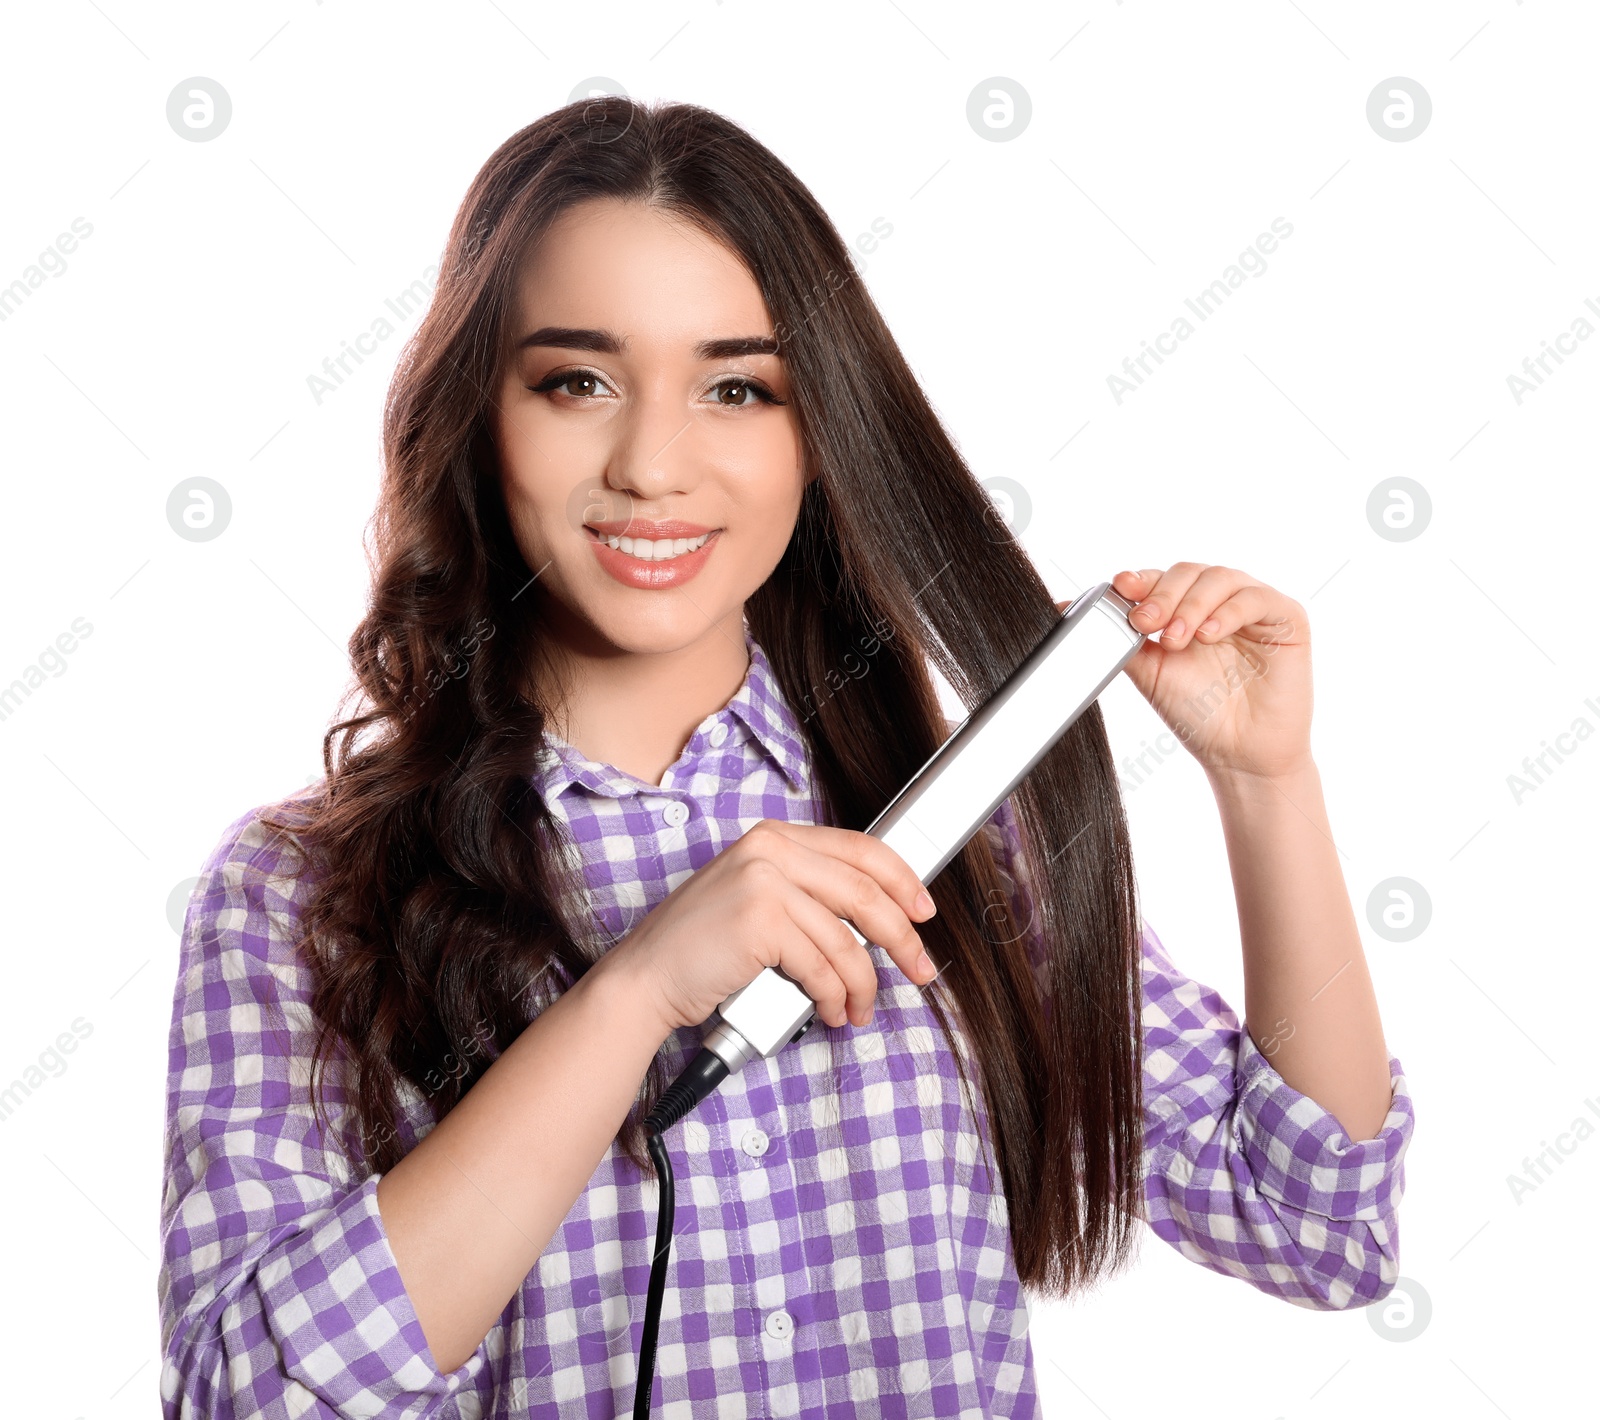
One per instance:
(704, 1073)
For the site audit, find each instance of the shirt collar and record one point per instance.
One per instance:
(758, 710)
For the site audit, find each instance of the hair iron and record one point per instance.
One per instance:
(928, 822)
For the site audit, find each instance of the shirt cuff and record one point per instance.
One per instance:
(1300, 1155)
(342, 1318)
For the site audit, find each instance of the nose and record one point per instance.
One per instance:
(653, 454)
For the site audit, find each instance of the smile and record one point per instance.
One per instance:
(663, 550)
(653, 564)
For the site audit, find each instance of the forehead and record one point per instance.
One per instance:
(649, 275)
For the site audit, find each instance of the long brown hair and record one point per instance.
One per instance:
(439, 892)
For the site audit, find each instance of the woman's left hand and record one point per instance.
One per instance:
(1231, 673)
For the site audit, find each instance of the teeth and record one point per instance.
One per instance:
(663, 550)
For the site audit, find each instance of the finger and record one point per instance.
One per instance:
(848, 892)
(861, 851)
(1244, 607)
(1261, 614)
(818, 859)
(805, 962)
(1134, 585)
(910, 954)
(847, 960)
(1203, 596)
(1158, 593)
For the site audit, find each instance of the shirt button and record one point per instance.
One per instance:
(780, 1325)
(676, 813)
(755, 1143)
(719, 732)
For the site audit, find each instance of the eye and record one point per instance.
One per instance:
(741, 383)
(589, 384)
(571, 377)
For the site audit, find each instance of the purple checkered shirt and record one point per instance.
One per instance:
(841, 1245)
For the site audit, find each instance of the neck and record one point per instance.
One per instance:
(635, 710)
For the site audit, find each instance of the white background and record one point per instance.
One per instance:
(178, 340)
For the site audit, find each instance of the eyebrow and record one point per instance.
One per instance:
(606, 342)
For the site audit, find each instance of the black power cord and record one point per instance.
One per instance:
(705, 1072)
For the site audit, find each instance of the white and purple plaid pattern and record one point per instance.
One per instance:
(841, 1244)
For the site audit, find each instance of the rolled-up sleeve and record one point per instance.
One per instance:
(1243, 1173)
(279, 1293)
(1246, 1175)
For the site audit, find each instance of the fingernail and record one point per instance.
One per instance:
(1134, 575)
(925, 902)
(1174, 629)
(924, 966)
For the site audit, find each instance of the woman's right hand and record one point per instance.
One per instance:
(775, 897)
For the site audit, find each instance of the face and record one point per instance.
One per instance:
(651, 476)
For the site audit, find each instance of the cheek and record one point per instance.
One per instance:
(534, 519)
(782, 482)
(533, 501)
(771, 510)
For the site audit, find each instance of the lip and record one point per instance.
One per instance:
(653, 576)
(650, 531)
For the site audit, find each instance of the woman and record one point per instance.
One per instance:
(668, 538)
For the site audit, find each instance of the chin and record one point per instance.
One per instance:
(647, 623)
